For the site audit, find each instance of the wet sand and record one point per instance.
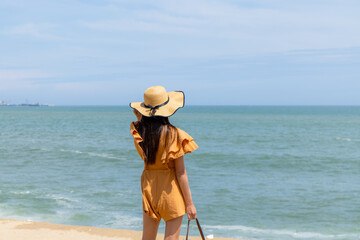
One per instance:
(29, 230)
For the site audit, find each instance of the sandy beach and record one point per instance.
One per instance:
(29, 230)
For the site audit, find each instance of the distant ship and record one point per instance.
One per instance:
(4, 103)
(30, 104)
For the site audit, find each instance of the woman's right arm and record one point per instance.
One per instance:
(184, 185)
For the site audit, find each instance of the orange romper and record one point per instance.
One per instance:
(162, 196)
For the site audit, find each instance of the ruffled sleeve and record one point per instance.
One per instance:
(137, 139)
(135, 133)
(183, 144)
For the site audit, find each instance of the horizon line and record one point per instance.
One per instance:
(195, 105)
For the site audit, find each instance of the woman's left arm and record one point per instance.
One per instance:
(185, 189)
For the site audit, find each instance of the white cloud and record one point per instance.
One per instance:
(39, 30)
(11, 3)
(139, 26)
(17, 74)
(21, 78)
(264, 27)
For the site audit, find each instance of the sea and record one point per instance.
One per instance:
(260, 172)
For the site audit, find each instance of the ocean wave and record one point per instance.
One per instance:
(278, 234)
(343, 139)
(21, 192)
(124, 221)
(92, 154)
(63, 200)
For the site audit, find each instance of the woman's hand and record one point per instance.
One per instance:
(137, 114)
(191, 212)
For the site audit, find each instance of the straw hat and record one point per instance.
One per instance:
(158, 102)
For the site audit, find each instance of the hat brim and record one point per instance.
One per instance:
(176, 101)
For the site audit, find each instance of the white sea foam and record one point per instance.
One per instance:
(63, 200)
(21, 192)
(283, 233)
(102, 155)
(343, 139)
(124, 221)
(211, 236)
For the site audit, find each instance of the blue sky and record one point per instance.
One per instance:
(258, 52)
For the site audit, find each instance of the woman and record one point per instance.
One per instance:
(164, 182)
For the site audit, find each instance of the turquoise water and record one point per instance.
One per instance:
(259, 173)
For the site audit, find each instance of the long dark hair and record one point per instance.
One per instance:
(151, 129)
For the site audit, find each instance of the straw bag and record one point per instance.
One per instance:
(200, 230)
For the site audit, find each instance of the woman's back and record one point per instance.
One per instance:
(170, 147)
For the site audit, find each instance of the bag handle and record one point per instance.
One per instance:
(200, 230)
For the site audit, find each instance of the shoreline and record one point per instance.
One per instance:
(31, 230)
